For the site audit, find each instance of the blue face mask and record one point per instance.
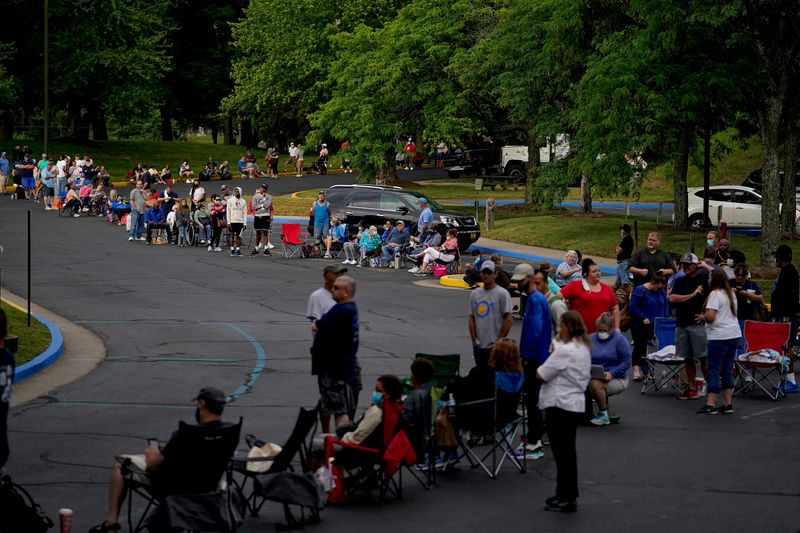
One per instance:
(377, 398)
(709, 242)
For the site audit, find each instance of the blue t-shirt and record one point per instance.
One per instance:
(321, 217)
(3, 166)
(425, 219)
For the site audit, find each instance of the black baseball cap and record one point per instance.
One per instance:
(211, 394)
(626, 228)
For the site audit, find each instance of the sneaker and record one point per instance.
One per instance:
(601, 419)
(688, 395)
(787, 387)
(238, 253)
(529, 452)
(270, 246)
(210, 248)
(726, 409)
(707, 410)
(141, 239)
(217, 249)
(559, 506)
(267, 252)
(254, 252)
(233, 254)
(413, 270)
(346, 262)
(130, 238)
(76, 215)
(202, 241)
(326, 256)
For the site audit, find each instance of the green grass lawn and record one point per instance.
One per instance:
(33, 340)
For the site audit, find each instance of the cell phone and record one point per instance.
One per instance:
(152, 443)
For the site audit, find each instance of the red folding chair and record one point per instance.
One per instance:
(291, 242)
(370, 469)
(769, 375)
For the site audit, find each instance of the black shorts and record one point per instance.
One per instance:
(49, 191)
(261, 223)
(236, 229)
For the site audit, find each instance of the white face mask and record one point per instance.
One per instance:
(603, 335)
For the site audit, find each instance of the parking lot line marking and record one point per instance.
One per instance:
(261, 358)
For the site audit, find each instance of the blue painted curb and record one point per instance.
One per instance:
(44, 359)
(572, 203)
(536, 258)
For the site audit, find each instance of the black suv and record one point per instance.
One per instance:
(377, 204)
(477, 162)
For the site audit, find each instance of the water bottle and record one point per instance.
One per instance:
(451, 405)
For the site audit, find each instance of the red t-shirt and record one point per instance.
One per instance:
(588, 304)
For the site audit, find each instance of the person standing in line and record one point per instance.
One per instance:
(409, 149)
(648, 302)
(237, 220)
(138, 208)
(6, 380)
(298, 158)
(489, 315)
(262, 218)
(534, 345)
(687, 297)
(292, 161)
(648, 260)
(321, 300)
(624, 251)
(786, 299)
(321, 211)
(723, 333)
(565, 376)
(334, 355)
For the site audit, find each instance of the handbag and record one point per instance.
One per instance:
(445, 435)
(439, 270)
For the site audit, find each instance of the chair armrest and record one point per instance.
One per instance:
(350, 446)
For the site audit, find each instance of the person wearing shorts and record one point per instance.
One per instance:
(3, 172)
(262, 219)
(237, 220)
(333, 354)
(687, 298)
(321, 211)
(25, 167)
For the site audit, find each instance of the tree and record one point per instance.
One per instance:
(403, 80)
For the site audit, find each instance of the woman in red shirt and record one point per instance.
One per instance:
(590, 298)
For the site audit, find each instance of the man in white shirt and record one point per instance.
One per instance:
(321, 300)
(237, 220)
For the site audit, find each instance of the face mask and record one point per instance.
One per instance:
(603, 335)
(709, 242)
(377, 398)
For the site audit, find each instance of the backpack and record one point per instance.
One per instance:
(18, 512)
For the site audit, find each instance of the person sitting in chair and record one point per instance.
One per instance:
(611, 351)
(416, 406)
(396, 240)
(155, 218)
(446, 253)
(365, 431)
(148, 468)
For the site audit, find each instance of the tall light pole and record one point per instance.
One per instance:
(46, 75)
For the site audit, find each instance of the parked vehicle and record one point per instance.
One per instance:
(477, 162)
(740, 206)
(375, 204)
(754, 180)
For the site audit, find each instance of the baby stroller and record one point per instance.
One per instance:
(320, 165)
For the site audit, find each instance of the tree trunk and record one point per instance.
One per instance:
(532, 171)
(706, 170)
(246, 132)
(230, 136)
(788, 210)
(387, 173)
(770, 115)
(680, 170)
(166, 123)
(586, 194)
(75, 120)
(97, 118)
(6, 124)
(214, 134)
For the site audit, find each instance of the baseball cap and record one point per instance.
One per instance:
(422, 200)
(211, 394)
(400, 223)
(522, 271)
(488, 265)
(224, 186)
(626, 228)
(688, 258)
(783, 251)
(334, 269)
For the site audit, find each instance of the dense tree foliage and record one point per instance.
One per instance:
(626, 79)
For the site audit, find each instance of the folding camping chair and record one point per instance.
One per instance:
(263, 486)
(292, 240)
(667, 357)
(505, 423)
(764, 370)
(189, 479)
(370, 469)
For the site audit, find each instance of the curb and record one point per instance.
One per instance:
(53, 352)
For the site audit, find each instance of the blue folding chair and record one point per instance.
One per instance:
(663, 373)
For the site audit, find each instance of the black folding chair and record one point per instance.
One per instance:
(298, 444)
(194, 467)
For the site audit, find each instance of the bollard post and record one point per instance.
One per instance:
(658, 216)
(636, 232)
(29, 268)
(490, 204)
(476, 205)
(627, 210)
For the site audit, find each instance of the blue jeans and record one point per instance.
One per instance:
(181, 234)
(137, 224)
(389, 252)
(720, 364)
(205, 232)
(622, 273)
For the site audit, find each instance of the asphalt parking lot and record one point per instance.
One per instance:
(176, 319)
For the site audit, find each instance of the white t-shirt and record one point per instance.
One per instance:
(725, 325)
(319, 303)
(62, 168)
(566, 376)
(199, 193)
